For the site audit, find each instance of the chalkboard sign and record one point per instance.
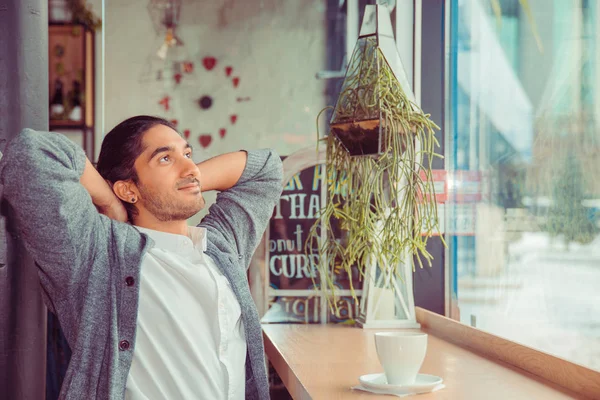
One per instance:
(290, 268)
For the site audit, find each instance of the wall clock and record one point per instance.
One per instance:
(208, 97)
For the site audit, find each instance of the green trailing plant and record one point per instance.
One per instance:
(384, 203)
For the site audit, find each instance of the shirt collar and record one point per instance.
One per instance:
(195, 239)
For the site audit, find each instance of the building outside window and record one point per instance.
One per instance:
(523, 160)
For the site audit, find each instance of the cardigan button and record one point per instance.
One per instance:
(123, 345)
(240, 257)
(129, 281)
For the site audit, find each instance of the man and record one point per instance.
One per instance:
(151, 308)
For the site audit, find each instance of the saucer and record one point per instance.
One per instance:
(423, 383)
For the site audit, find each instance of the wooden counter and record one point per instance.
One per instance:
(324, 361)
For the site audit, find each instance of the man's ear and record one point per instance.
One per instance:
(126, 191)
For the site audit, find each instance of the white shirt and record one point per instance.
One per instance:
(190, 341)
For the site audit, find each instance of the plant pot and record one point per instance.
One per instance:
(360, 138)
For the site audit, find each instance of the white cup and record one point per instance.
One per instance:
(401, 354)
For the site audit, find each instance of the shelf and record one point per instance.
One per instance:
(69, 125)
(71, 61)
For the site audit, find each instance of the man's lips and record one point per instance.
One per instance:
(190, 186)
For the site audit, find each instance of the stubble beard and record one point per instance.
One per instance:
(168, 208)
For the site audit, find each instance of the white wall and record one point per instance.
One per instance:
(274, 46)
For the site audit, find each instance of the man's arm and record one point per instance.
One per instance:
(53, 212)
(222, 172)
(242, 211)
(102, 194)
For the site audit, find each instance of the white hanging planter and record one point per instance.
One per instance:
(379, 147)
(387, 300)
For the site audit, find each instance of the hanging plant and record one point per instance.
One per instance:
(82, 14)
(380, 189)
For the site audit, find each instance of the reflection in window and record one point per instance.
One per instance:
(524, 161)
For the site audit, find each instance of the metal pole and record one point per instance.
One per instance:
(23, 103)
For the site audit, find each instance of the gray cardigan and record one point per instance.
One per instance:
(86, 261)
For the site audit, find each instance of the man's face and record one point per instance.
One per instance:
(168, 179)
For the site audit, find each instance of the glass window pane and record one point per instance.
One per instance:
(523, 162)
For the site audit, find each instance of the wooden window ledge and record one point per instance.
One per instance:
(325, 361)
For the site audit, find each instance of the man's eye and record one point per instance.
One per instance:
(188, 155)
(164, 158)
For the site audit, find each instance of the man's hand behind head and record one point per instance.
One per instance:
(102, 194)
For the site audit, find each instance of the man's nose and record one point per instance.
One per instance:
(189, 168)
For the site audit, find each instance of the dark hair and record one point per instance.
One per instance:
(121, 147)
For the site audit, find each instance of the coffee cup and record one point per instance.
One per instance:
(401, 354)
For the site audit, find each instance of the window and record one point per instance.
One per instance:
(523, 160)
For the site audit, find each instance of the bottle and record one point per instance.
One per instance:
(75, 114)
(57, 107)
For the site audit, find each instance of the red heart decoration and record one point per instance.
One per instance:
(165, 102)
(186, 133)
(228, 70)
(174, 122)
(233, 118)
(209, 62)
(222, 132)
(236, 81)
(177, 78)
(205, 140)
